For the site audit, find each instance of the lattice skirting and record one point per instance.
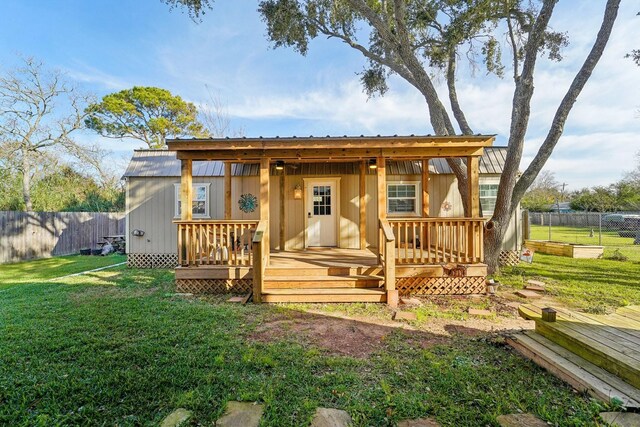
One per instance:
(440, 285)
(214, 286)
(509, 258)
(152, 260)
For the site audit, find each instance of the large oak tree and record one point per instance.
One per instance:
(419, 39)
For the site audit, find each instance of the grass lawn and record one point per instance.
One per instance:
(582, 235)
(118, 347)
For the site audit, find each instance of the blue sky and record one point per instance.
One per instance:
(109, 45)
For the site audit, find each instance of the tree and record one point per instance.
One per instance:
(39, 113)
(215, 118)
(417, 40)
(544, 191)
(148, 114)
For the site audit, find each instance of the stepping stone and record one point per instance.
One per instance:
(235, 299)
(534, 288)
(621, 419)
(241, 414)
(479, 312)
(330, 417)
(520, 420)
(420, 422)
(528, 294)
(536, 283)
(411, 301)
(176, 418)
(404, 315)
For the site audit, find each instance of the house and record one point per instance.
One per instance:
(315, 219)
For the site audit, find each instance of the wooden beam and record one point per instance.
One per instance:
(227, 190)
(186, 189)
(334, 154)
(362, 204)
(382, 188)
(425, 188)
(283, 197)
(473, 186)
(331, 142)
(264, 197)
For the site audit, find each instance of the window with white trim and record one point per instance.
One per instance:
(488, 197)
(199, 201)
(402, 198)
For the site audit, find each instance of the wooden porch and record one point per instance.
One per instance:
(413, 255)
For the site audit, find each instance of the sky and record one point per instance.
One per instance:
(105, 46)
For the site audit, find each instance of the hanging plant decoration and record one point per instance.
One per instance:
(446, 206)
(248, 203)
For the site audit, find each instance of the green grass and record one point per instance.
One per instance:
(50, 268)
(582, 235)
(593, 285)
(117, 347)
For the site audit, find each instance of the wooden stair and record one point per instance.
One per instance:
(596, 353)
(571, 368)
(323, 284)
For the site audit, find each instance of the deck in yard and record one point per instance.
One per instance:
(599, 354)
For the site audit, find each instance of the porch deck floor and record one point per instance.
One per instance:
(324, 257)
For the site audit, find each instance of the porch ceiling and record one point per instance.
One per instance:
(330, 148)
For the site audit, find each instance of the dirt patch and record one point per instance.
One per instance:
(339, 335)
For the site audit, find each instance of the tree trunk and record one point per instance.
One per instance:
(26, 183)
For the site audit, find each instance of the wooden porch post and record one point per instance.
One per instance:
(227, 190)
(473, 207)
(425, 188)
(186, 211)
(382, 188)
(186, 189)
(283, 194)
(264, 200)
(362, 204)
(474, 186)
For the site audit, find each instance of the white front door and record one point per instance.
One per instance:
(321, 213)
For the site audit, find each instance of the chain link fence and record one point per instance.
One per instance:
(613, 230)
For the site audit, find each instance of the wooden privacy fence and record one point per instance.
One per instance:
(438, 240)
(31, 235)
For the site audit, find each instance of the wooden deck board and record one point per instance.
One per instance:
(610, 342)
(579, 373)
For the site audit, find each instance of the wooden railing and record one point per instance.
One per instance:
(387, 245)
(215, 242)
(260, 258)
(438, 240)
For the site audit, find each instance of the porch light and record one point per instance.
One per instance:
(280, 165)
(297, 192)
(372, 164)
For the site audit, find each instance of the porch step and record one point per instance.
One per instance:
(324, 295)
(578, 372)
(304, 282)
(324, 271)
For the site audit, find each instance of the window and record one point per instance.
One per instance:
(199, 202)
(488, 195)
(402, 198)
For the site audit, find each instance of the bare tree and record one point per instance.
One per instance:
(214, 115)
(39, 113)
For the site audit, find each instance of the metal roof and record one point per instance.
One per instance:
(163, 163)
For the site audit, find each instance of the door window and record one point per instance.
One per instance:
(322, 200)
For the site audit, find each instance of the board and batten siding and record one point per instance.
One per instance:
(151, 207)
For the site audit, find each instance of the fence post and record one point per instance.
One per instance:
(600, 228)
(549, 226)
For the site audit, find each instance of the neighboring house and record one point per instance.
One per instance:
(317, 197)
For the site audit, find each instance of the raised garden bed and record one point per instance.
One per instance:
(570, 250)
